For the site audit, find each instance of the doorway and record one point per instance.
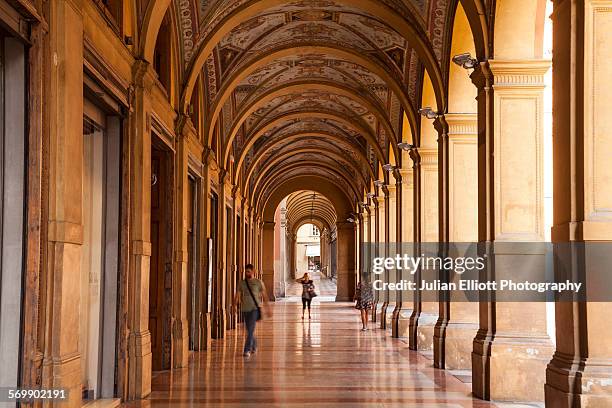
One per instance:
(160, 284)
(12, 198)
(194, 293)
(100, 251)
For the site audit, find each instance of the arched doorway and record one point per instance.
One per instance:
(305, 242)
(309, 200)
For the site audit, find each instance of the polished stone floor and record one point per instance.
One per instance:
(323, 362)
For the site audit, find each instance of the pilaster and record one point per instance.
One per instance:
(267, 240)
(405, 235)
(425, 314)
(345, 261)
(62, 358)
(453, 350)
(512, 347)
(580, 371)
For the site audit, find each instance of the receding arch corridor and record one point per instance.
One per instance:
(325, 362)
(155, 154)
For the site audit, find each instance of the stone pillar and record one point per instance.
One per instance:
(580, 373)
(401, 325)
(456, 333)
(62, 359)
(180, 325)
(396, 234)
(375, 224)
(383, 225)
(512, 347)
(346, 261)
(366, 261)
(219, 317)
(425, 315)
(391, 249)
(267, 269)
(230, 243)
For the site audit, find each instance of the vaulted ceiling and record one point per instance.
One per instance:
(309, 207)
(315, 87)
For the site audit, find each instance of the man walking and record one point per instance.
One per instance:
(250, 295)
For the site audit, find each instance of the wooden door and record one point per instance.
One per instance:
(160, 284)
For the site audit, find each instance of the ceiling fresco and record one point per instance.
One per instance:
(335, 73)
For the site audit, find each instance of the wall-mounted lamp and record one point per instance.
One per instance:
(370, 195)
(388, 168)
(379, 183)
(405, 146)
(465, 60)
(350, 220)
(428, 113)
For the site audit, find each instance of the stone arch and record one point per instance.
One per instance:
(260, 188)
(307, 86)
(153, 17)
(363, 130)
(410, 30)
(288, 154)
(322, 136)
(346, 233)
(258, 62)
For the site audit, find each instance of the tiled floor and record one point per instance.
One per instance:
(325, 362)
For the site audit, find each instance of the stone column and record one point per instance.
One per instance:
(367, 230)
(396, 235)
(425, 316)
(62, 359)
(230, 241)
(375, 224)
(512, 347)
(346, 261)
(383, 226)
(180, 325)
(580, 373)
(403, 312)
(455, 333)
(391, 249)
(267, 240)
(219, 317)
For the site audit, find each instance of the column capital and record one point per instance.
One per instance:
(428, 157)
(462, 126)
(522, 74)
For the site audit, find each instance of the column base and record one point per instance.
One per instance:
(205, 331)
(218, 324)
(454, 351)
(389, 315)
(180, 343)
(375, 308)
(382, 315)
(230, 320)
(140, 365)
(510, 368)
(569, 385)
(400, 322)
(341, 298)
(64, 373)
(421, 331)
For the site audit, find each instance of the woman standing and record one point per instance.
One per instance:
(364, 297)
(308, 292)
